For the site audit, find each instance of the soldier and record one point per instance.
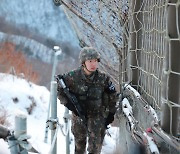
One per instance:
(96, 95)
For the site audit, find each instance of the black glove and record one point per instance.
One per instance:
(71, 107)
(109, 119)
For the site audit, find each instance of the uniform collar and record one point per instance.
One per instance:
(87, 77)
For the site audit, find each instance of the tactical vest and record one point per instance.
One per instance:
(90, 92)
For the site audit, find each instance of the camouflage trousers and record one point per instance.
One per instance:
(93, 134)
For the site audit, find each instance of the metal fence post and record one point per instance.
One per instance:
(67, 128)
(20, 128)
(58, 52)
(54, 112)
(13, 146)
(46, 129)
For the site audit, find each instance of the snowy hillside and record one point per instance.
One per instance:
(19, 96)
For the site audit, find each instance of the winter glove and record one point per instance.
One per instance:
(109, 119)
(71, 107)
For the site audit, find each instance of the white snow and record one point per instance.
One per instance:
(133, 90)
(152, 146)
(127, 110)
(25, 94)
(153, 112)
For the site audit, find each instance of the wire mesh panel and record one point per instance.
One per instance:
(153, 51)
(171, 70)
(150, 49)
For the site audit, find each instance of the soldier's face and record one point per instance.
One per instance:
(91, 65)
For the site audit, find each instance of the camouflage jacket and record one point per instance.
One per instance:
(95, 93)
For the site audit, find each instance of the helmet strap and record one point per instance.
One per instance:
(84, 65)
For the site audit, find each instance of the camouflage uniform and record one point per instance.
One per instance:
(97, 97)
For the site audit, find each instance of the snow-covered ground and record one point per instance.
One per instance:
(17, 96)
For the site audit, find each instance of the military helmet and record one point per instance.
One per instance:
(88, 53)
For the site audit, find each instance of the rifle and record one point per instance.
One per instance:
(71, 98)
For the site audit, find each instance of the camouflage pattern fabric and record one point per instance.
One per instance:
(97, 96)
(95, 134)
